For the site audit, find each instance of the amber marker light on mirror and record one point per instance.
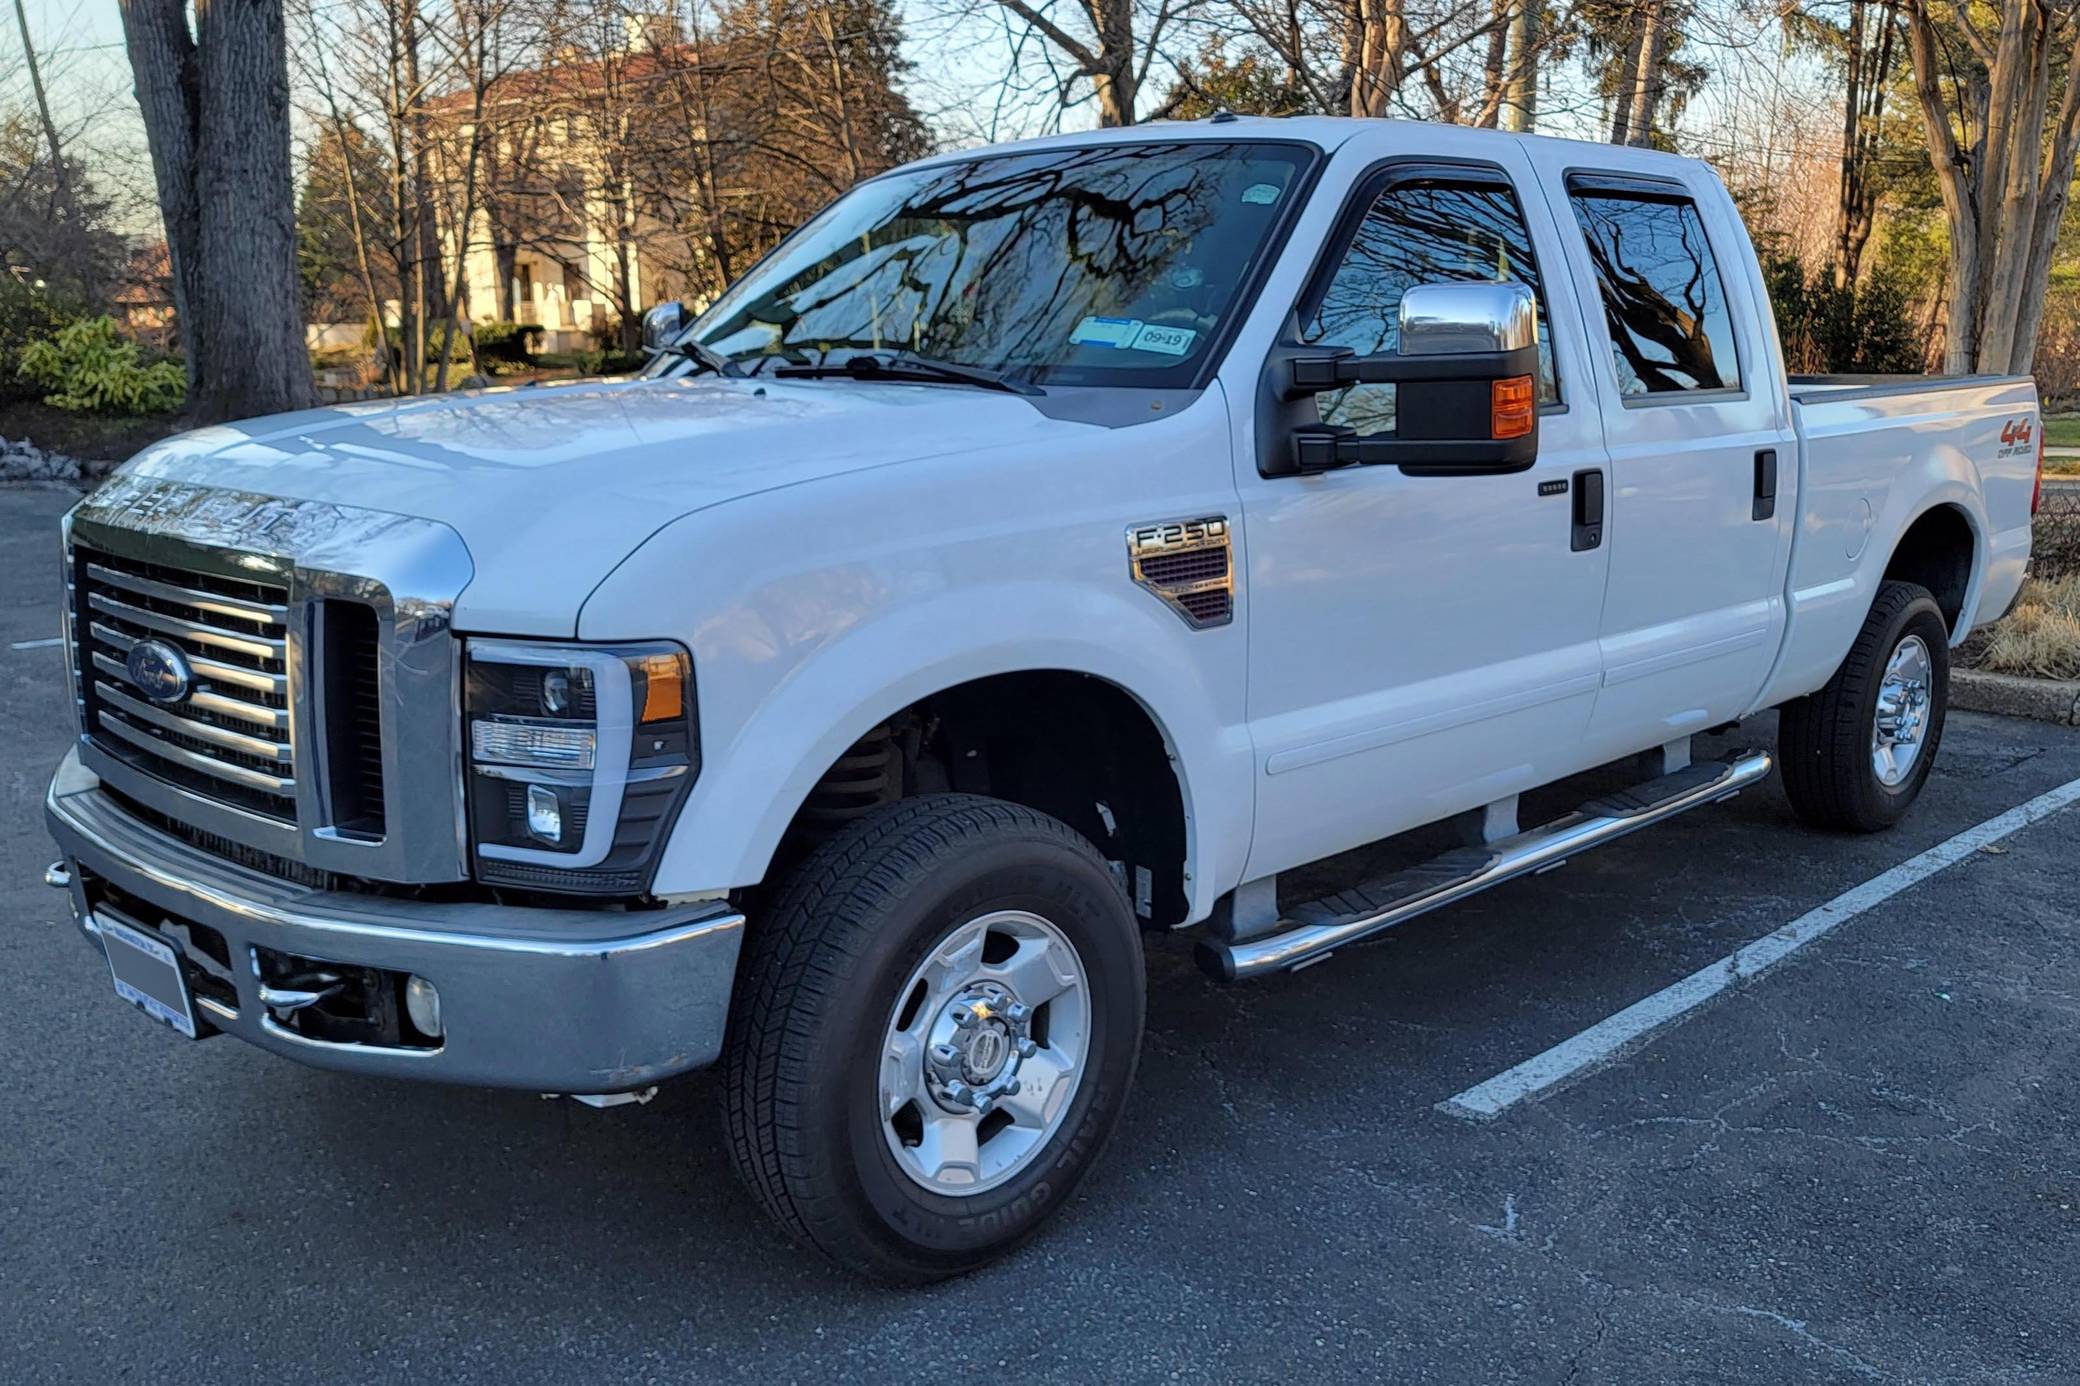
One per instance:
(1514, 405)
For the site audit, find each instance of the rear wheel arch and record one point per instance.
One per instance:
(1939, 551)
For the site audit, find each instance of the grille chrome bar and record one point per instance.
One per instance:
(213, 603)
(214, 670)
(228, 737)
(207, 765)
(257, 747)
(259, 647)
(275, 718)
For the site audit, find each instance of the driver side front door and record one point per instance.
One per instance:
(1420, 645)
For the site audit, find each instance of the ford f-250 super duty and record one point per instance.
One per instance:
(1043, 544)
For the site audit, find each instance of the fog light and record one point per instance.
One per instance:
(422, 1002)
(544, 814)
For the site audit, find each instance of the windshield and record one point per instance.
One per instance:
(1113, 264)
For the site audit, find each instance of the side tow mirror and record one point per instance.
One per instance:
(663, 324)
(1466, 378)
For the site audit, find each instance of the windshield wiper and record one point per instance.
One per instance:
(704, 356)
(904, 366)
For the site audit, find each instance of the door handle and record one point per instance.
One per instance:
(1765, 485)
(1588, 510)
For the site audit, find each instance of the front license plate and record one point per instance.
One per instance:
(147, 974)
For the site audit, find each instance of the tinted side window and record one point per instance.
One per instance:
(1420, 232)
(1661, 292)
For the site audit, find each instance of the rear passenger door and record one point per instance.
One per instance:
(1703, 460)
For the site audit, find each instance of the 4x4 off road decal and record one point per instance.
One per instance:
(2017, 435)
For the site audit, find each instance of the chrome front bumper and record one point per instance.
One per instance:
(549, 1000)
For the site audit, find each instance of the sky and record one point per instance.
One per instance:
(1756, 102)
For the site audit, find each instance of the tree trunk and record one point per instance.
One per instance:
(1647, 81)
(1494, 63)
(62, 179)
(215, 103)
(1520, 92)
(1113, 76)
(1852, 140)
(1869, 72)
(1628, 70)
(1382, 53)
(166, 69)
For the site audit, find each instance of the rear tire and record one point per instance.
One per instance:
(890, 1098)
(1856, 753)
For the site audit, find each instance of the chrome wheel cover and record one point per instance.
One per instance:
(983, 1052)
(1906, 697)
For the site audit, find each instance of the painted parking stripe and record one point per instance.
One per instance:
(1605, 1039)
(37, 644)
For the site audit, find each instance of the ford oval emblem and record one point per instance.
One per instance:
(160, 671)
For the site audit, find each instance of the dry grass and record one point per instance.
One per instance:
(2042, 638)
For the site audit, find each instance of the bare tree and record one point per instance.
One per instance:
(215, 101)
(1112, 44)
(2003, 160)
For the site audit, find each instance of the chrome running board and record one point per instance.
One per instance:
(1315, 930)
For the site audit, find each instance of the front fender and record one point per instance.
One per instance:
(801, 646)
(758, 772)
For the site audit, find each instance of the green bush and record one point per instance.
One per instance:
(29, 314)
(512, 343)
(1864, 328)
(89, 367)
(434, 332)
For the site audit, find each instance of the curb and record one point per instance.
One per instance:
(2045, 700)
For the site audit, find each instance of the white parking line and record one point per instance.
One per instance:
(37, 644)
(1603, 1040)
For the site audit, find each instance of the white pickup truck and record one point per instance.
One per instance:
(1044, 544)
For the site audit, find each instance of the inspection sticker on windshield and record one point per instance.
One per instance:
(1132, 334)
(1171, 341)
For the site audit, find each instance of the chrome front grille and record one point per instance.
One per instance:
(319, 738)
(228, 739)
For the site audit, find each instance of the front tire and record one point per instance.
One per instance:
(933, 1035)
(1857, 752)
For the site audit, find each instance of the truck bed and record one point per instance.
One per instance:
(1839, 387)
(1876, 454)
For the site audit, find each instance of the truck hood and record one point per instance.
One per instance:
(551, 487)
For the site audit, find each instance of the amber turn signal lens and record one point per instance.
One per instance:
(664, 687)
(1514, 407)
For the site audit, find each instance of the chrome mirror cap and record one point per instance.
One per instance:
(1449, 319)
(663, 324)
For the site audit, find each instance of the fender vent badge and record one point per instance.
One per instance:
(1188, 563)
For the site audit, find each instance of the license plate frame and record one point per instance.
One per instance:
(147, 973)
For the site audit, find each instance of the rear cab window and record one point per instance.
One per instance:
(1664, 301)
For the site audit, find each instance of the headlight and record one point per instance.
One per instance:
(579, 758)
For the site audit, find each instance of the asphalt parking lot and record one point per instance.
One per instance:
(1860, 1166)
